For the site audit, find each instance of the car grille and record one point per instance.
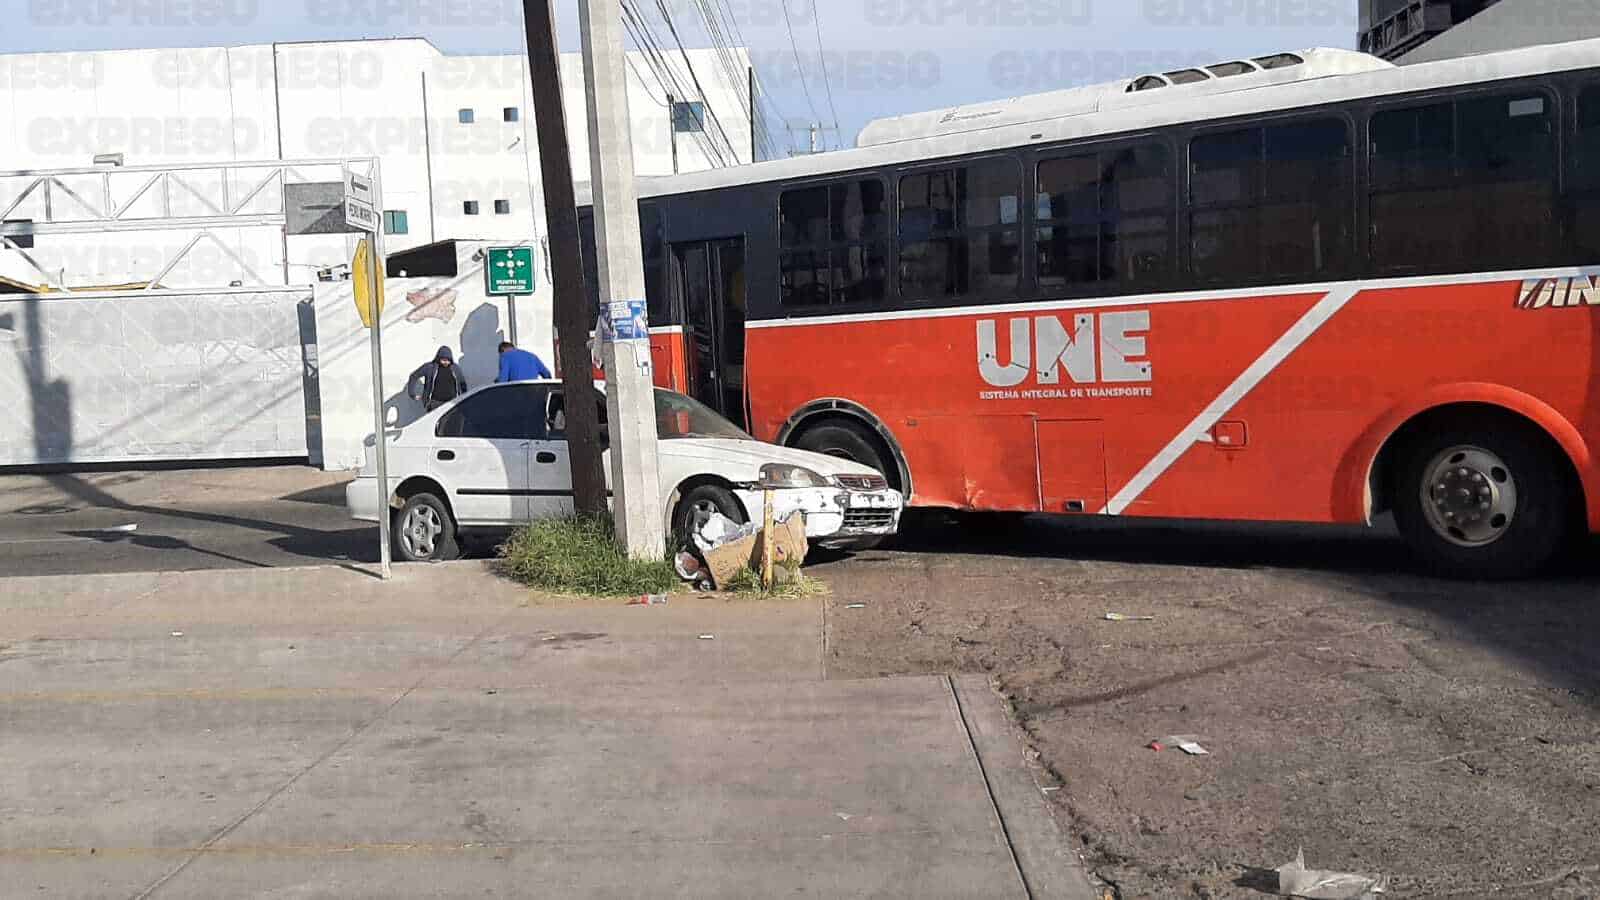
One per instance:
(864, 482)
(869, 518)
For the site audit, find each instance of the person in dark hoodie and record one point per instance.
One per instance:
(437, 382)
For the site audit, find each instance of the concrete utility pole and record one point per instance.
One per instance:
(573, 316)
(630, 394)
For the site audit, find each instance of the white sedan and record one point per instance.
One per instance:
(497, 458)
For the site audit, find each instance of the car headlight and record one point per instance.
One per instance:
(779, 475)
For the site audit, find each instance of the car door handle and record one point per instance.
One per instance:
(447, 455)
(545, 456)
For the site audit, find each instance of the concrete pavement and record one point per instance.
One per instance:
(313, 732)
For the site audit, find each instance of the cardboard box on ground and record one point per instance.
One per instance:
(728, 560)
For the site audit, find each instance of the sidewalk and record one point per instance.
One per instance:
(314, 732)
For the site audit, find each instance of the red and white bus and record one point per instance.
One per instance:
(1311, 287)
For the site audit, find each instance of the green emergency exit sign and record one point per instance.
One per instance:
(508, 271)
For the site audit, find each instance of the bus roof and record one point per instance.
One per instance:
(1325, 76)
(1144, 90)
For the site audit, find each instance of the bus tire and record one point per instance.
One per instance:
(1476, 502)
(847, 440)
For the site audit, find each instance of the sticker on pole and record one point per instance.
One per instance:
(629, 321)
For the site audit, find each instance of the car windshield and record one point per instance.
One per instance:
(678, 416)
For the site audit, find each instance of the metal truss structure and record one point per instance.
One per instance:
(199, 198)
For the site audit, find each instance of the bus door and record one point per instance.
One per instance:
(711, 285)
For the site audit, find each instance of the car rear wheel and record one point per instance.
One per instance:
(424, 531)
(699, 503)
(1478, 502)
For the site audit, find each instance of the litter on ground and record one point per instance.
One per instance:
(1188, 743)
(1295, 880)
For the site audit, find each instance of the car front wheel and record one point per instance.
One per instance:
(424, 531)
(700, 503)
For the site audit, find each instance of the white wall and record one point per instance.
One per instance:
(473, 326)
(325, 100)
(168, 375)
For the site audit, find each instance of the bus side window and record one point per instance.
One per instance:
(1464, 186)
(959, 231)
(1105, 219)
(833, 243)
(1585, 183)
(1271, 203)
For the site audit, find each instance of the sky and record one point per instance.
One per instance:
(827, 61)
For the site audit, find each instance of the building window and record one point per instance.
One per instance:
(1270, 204)
(833, 243)
(465, 116)
(1464, 186)
(511, 114)
(502, 207)
(469, 208)
(1105, 220)
(959, 231)
(688, 115)
(395, 221)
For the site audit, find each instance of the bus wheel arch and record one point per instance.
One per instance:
(819, 413)
(1417, 454)
(1532, 415)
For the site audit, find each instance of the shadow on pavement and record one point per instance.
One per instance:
(311, 543)
(161, 542)
(1168, 542)
(327, 495)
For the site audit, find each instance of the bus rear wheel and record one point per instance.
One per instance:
(847, 440)
(1478, 502)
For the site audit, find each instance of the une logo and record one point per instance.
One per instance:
(1558, 292)
(1043, 346)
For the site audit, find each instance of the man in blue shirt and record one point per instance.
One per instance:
(519, 365)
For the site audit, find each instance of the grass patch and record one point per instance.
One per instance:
(748, 583)
(579, 555)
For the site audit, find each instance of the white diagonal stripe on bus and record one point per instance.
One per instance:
(1298, 333)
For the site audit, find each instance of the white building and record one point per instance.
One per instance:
(454, 137)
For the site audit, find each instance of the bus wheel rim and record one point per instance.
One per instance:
(1469, 496)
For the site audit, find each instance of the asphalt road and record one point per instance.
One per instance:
(1444, 733)
(186, 520)
(261, 517)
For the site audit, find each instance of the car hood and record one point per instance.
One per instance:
(755, 454)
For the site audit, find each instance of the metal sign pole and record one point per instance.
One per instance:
(378, 423)
(380, 445)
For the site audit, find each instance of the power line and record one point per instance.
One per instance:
(822, 60)
(735, 75)
(771, 106)
(654, 54)
(635, 70)
(789, 26)
(710, 111)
